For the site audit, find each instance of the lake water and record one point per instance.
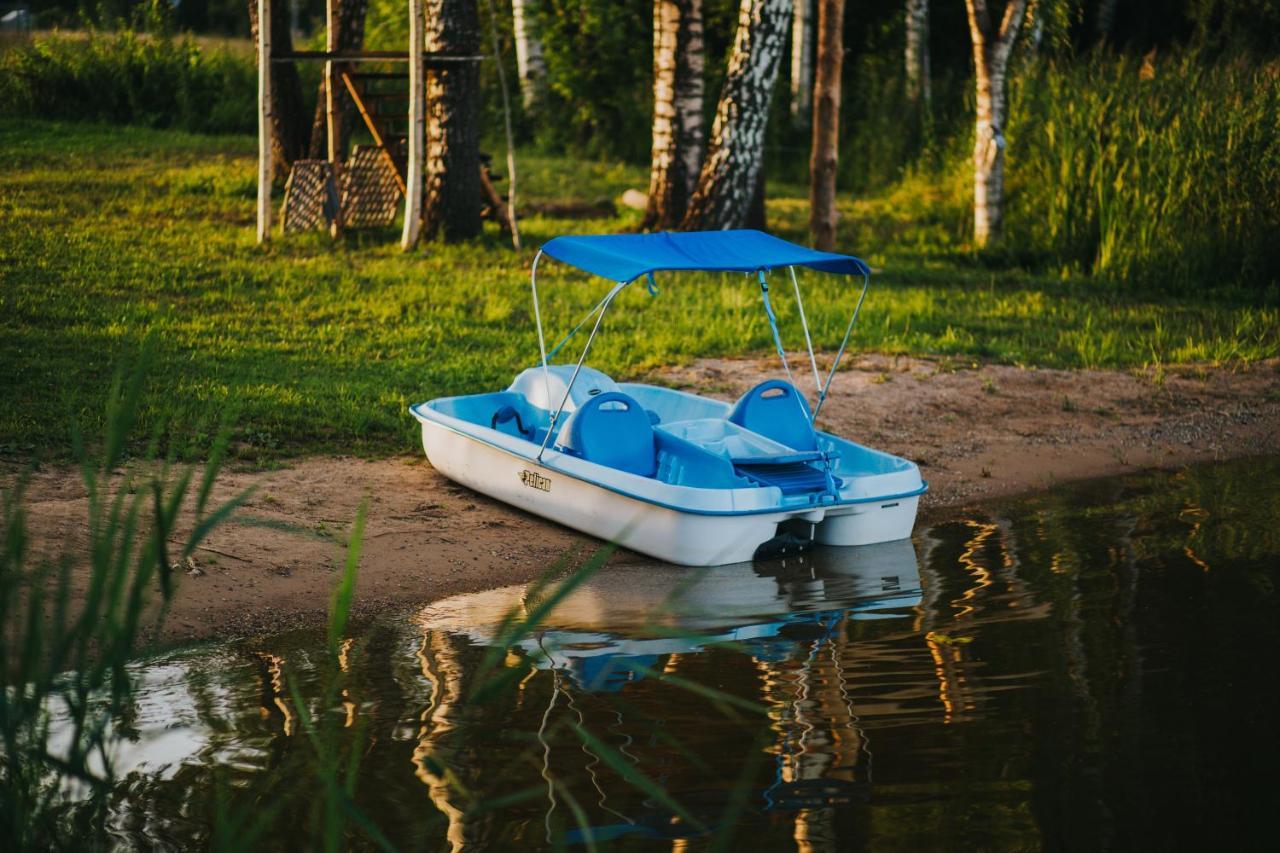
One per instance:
(1092, 668)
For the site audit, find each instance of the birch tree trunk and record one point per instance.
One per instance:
(1035, 19)
(824, 159)
(452, 197)
(288, 118)
(801, 61)
(678, 94)
(1105, 20)
(992, 46)
(723, 193)
(919, 87)
(530, 65)
(351, 14)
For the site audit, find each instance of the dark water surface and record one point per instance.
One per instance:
(1089, 669)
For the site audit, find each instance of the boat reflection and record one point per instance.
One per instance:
(629, 623)
(619, 622)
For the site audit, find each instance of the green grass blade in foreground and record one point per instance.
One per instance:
(71, 659)
(517, 628)
(634, 776)
(725, 702)
(344, 592)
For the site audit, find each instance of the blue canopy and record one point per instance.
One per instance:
(625, 257)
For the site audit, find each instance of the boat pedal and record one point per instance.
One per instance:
(793, 478)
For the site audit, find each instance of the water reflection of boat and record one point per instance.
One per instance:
(615, 625)
(631, 622)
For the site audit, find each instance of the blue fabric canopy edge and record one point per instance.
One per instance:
(626, 257)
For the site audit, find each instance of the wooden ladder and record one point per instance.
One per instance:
(382, 107)
(384, 114)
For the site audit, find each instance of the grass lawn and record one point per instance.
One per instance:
(110, 234)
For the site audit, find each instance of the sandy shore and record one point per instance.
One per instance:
(978, 432)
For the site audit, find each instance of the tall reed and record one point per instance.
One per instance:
(65, 643)
(1160, 172)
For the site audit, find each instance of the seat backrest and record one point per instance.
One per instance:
(612, 429)
(776, 410)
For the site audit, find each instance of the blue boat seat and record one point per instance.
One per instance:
(507, 419)
(776, 410)
(613, 430)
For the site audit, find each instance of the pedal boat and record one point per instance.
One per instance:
(673, 475)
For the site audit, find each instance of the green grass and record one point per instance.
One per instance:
(108, 234)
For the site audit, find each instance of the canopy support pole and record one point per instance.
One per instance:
(777, 340)
(577, 368)
(773, 324)
(804, 324)
(822, 398)
(537, 318)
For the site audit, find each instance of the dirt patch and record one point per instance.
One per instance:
(977, 432)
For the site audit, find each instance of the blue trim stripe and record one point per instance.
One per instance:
(797, 510)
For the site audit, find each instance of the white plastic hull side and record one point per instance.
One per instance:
(689, 539)
(869, 523)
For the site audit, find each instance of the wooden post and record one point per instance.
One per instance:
(265, 175)
(333, 122)
(417, 120)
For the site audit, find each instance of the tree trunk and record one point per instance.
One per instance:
(919, 88)
(452, 197)
(801, 61)
(678, 94)
(1105, 21)
(1035, 36)
(991, 48)
(723, 194)
(288, 119)
(826, 125)
(756, 216)
(351, 14)
(530, 65)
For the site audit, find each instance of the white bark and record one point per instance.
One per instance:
(678, 95)
(992, 46)
(734, 159)
(417, 121)
(801, 60)
(530, 65)
(265, 160)
(919, 87)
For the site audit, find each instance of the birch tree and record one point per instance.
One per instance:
(992, 45)
(824, 159)
(919, 88)
(288, 115)
(801, 61)
(530, 64)
(1105, 20)
(452, 196)
(351, 19)
(678, 95)
(723, 193)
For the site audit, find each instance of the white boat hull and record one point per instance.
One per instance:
(671, 535)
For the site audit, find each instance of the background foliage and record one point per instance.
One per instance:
(1148, 157)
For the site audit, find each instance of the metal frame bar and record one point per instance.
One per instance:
(822, 398)
(804, 323)
(604, 307)
(537, 318)
(430, 60)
